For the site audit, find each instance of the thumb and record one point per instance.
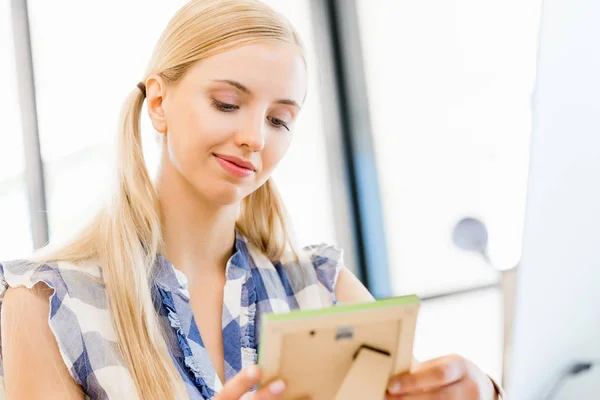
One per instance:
(240, 384)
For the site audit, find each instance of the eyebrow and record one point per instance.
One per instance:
(244, 89)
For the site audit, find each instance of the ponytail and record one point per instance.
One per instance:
(125, 238)
(131, 235)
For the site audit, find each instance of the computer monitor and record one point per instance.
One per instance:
(557, 320)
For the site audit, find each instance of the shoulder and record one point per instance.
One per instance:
(27, 302)
(41, 321)
(310, 274)
(75, 293)
(56, 275)
(31, 360)
(328, 261)
(71, 286)
(72, 305)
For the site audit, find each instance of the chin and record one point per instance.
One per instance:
(222, 194)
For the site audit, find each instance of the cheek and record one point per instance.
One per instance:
(192, 136)
(275, 150)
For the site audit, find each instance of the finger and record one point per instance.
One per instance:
(430, 375)
(272, 391)
(240, 384)
(465, 389)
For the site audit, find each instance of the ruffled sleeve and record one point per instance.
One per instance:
(80, 321)
(327, 260)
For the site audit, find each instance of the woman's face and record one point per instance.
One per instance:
(228, 122)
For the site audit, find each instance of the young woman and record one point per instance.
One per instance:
(160, 295)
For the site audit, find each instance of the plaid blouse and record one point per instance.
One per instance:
(81, 323)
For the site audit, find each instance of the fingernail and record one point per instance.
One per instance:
(394, 388)
(277, 387)
(253, 372)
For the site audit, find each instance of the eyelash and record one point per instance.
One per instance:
(224, 107)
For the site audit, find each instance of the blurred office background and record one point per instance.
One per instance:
(419, 115)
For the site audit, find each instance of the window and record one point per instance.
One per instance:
(449, 88)
(15, 232)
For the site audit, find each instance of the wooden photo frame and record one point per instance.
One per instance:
(346, 351)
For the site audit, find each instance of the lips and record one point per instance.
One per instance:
(235, 166)
(237, 161)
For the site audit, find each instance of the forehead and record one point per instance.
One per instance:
(269, 70)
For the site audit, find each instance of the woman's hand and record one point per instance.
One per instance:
(450, 377)
(240, 384)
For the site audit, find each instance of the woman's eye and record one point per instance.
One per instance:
(276, 122)
(224, 107)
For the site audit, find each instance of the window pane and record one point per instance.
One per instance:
(76, 184)
(11, 140)
(104, 65)
(15, 232)
(15, 235)
(471, 325)
(305, 189)
(449, 88)
(79, 106)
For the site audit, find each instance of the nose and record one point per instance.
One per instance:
(252, 135)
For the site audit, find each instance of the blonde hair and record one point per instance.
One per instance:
(125, 236)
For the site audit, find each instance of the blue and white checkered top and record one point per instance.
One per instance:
(81, 322)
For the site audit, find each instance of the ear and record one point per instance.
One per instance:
(156, 90)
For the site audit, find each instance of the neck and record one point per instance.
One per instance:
(198, 237)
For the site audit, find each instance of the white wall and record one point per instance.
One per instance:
(558, 293)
